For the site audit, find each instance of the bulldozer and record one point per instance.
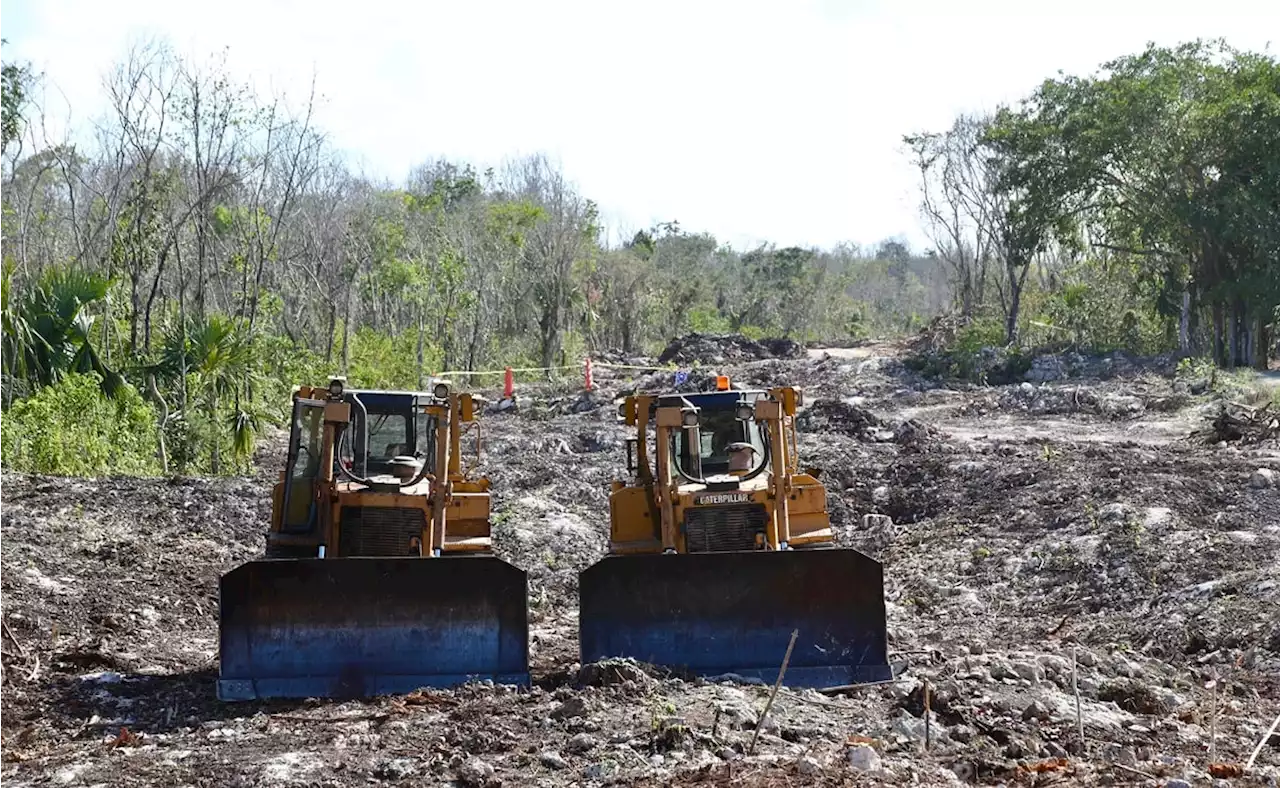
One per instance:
(379, 575)
(721, 549)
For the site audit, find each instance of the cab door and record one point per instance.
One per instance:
(302, 467)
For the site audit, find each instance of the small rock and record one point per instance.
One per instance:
(737, 715)
(961, 733)
(1001, 669)
(657, 760)
(1036, 711)
(475, 773)
(909, 727)
(863, 758)
(572, 706)
(808, 766)
(1114, 512)
(1031, 671)
(1177, 784)
(553, 760)
(582, 742)
(395, 769)
(1123, 667)
(727, 754)
(600, 771)
(873, 521)
(1262, 479)
(880, 495)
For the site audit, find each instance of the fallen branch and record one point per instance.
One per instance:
(848, 687)
(823, 703)
(1262, 743)
(1131, 770)
(380, 716)
(22, 652)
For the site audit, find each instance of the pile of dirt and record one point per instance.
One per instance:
(1117, 401)
(719, 348)
(840, 416)
(1058, 400)
(1048, 366)
(847, 417)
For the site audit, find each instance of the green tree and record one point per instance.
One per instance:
(15, 82)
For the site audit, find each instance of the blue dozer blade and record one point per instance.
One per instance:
(712, 614)
(361, 627)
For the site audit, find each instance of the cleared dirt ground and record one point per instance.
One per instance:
(1042, 537)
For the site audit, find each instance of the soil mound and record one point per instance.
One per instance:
(718, 348)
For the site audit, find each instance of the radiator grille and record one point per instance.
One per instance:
(378, 530)
(718, 529)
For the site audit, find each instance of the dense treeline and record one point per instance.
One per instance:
(1139, 207)
(202, 248)
(210, 249)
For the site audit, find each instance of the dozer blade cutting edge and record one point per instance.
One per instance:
(359, 627)
(718, 613)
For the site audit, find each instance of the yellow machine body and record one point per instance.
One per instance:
(721, 547)
(379, 574)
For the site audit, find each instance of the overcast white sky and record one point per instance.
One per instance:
(775, 120)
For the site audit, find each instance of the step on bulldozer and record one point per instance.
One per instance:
(379, 575)
(721, 548)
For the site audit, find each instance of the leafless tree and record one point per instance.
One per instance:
(958, 205)
(560, 240)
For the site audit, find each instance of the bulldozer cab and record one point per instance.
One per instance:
(385, 425)
(721, 428)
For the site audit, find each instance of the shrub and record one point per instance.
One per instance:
(70, 429)
(976, 353)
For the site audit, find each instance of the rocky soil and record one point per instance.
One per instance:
(1060, 557)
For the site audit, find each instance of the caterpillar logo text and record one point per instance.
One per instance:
(714, 498)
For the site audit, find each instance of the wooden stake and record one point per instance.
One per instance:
(1075, 688)
(1213, 720)
(777, 685)
(927, 729)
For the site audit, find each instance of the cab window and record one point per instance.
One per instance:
(388, 436)
(718, 429)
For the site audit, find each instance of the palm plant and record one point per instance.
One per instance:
(216, 353)
(46, 330)
(53, 312)
(16, 334)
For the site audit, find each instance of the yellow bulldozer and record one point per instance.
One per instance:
(379, 575)
(721, 547)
